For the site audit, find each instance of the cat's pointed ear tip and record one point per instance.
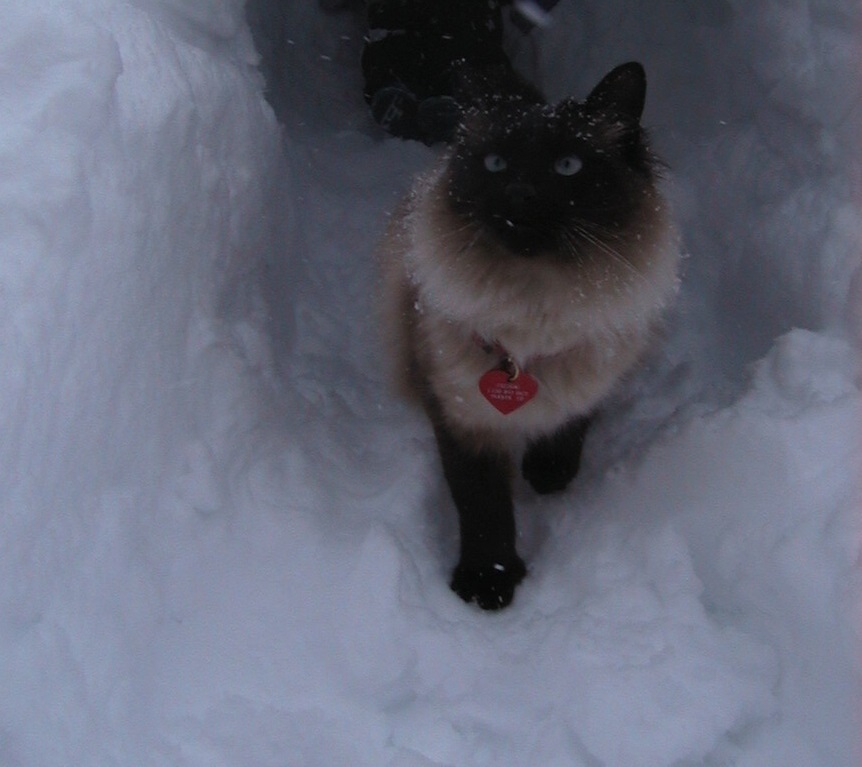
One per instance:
(622, 90)
(632, 69)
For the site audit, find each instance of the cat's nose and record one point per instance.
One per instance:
(520, 194)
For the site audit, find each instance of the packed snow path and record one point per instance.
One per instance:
(222, 542)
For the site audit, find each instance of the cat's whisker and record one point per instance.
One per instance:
(598, 229)
(575, 245)
(471, 244)
(470, 228)
(469, 233)
(605, 248)
(465, 225)
(469, 223)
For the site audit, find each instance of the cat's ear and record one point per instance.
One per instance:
(622, 92)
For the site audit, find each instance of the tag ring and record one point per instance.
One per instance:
(512, 369)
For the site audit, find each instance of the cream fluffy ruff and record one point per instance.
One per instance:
(575, 325)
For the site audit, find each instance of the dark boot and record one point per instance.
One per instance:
(423, 48)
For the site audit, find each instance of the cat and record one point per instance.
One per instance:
(523, 277)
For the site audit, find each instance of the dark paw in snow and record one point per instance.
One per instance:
(547, 477)
(492, 587)
(551, 463)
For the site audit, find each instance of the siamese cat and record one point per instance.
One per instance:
(523, 277)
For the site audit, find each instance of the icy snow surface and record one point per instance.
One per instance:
(223, 543)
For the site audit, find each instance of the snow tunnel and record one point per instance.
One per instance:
(223, 541)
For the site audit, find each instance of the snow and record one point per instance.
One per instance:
(222, 541)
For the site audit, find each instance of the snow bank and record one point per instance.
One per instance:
(221, 541)
(750, 106)
(138, 187)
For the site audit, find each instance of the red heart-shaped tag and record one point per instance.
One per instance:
(506, 393)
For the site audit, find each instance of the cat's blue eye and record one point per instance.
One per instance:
(568, 165)
(495, 164)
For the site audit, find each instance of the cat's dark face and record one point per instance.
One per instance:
(545, 179)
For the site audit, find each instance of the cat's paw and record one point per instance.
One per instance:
(552, 461)
(549, 475)
(491, 587)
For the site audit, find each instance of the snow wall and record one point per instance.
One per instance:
(220, 541)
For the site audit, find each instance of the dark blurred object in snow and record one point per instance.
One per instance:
(420, 55)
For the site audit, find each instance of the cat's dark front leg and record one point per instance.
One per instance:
(479, 479)
(551, 462)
